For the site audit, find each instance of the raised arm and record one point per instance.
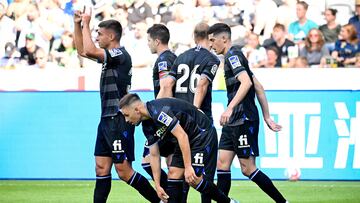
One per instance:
(78, 38)
(89, 48)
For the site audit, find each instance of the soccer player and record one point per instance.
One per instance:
(193, 72)
(241, 118)
(192, 75)
(115, 137)
(158, 39)
(195, 154)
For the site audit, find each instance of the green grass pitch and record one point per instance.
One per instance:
(245, 191)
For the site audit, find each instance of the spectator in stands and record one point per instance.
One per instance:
(282, 44)
(7, 28)
(140, 11)
(301, 62)
(272, 55)
(346, 48)
(286, 13)
(355, 20)
(41, 59)
(165, 11)
(27, 53)
(136, 44)
(34, 23)
(300, 28)
(315, 50)
(65, 54)
(11, 58)
(265, 17)
(331, 29)
(181, 37)
(255, 54)
(17, 8)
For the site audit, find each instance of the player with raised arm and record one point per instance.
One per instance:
(158, 39)
(115, 137)
(195, 155)
(241, 118)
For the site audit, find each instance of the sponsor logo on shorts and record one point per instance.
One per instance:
(198, 159)
(117, 147)
(243, 141)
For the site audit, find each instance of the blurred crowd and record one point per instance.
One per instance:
(273, 33)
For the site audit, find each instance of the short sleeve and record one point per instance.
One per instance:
(210, 68)
(235, 62)
(113, 56)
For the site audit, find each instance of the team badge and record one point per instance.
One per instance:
(234, 61)
(162, 66)
(115, 52)
(214, 69)
(164, 118)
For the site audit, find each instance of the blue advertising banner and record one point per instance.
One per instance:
(51, 135)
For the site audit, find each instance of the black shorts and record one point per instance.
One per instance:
(226, 142)
(203, 155)
(243, 138)
(115, 138)
(165, 147)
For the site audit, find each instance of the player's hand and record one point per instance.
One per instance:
(272, 125)
(86, 17)
(162, 194)
(190, 176)
(77, 16)
(225, 117)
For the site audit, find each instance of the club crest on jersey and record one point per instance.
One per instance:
(164, 118)
(162, 66)
(115, 52)
(214, 69)
(234, 61)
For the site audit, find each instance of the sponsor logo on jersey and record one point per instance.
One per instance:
(214, 69)
(234, 61)
(161, 131)
(164, 118)
(115, 52)
(162, 66)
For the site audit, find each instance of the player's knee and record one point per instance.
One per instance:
(101, 169)
(222, 165)
(124, 172)
(245, 171)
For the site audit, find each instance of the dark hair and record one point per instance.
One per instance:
(113, 25)
(274, 49)
(160, 32)
(304, 4)
(201, 31)
(128, 99)
(332, 11)
(279, 26)
(218, 28)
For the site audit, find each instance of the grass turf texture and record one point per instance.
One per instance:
(245, 191)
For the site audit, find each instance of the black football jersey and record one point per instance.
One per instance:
(166, 113)
(235, 63)
(187, 70)
(115, 80)
(162, 68)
